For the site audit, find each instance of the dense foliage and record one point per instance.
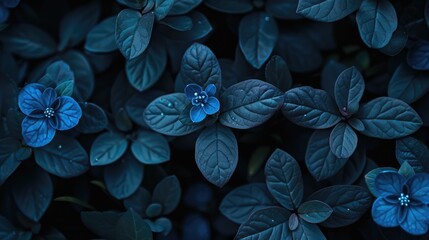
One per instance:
(214, 119)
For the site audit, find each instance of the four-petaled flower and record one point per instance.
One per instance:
(204, 101)
(402, 202)
(45, 113)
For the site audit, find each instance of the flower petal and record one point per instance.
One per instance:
(191, 89)
(211, 106)
(210, 89)
(30, 98)
(417, 219)
(37, 132)
(389, 183)
(384, 213)
(419, 187)
(68, 113)
(48, 98)
(197, 114)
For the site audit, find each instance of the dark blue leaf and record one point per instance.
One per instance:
(240, 203)
(353, 168)
(329, 75)
(162, 8)
(266, 223)
(314, 211)
(136, 4)
(307, 230)
(76, 24)
(327, 10)
(277, 73)
(150, 148)
(178, 23)
(8, 94)
(320, 160)
(133, 32)
(84, 76)
(63, 157)
(196, 226)
(138, 103)
(418, 56)
(407, 84)
(101, 38)
(414, 152)
(284, 180)
(101, 223)
(139, 201)
(123, 177)
(388, 118)
(349, 89)
(183, 6)
(130, 226)
(8, 64)
(201, 28)
(343, 140)
(283, 9)
(200, 66)
(11, 155)
(230, 6)
(145, 70)
(249, 103)
(371, 175)
(120, 93)
(93, 118)
(163, 113)
(32, 191)
(216, 154)
(310, 107)
(377, 22)
(153, 210)
(167, 193)
(7, 230)
(122, 121)
(257, 35)
(349, 203)
(397, 42)
(28, 41)
(107, 148)
(406, 170)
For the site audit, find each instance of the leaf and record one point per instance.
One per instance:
(283, 9)
(74, 200)
(101, 38)
(329, 75)
(108, 148)
(320, 160)
(162, 8)
(241, 202)
(65, 88)
(63, 157)
(139, 201)
(167, 193)
(216, 154)
(413, 151)
(76, 24)
(397, 42)
(349, 89)
(314, 211)
(327, 10)
(417, 56)
(58, 73)
(7, 230)
(123, 177)
(178, 23)
(353, 169)
(406, 170)
(230, 6)
(8, 163)
(136, 4)
(131, 226)
(8, 94)
(308, 231)
(162, 115)
(257, 159)
(201, 28)
(266, 223)
(32, 191)
(388, 118)
(28, 41)
(349, 203)
(101, 223)
(376, 22)
(249, 103)
(257, 35)
(277, 73)
(343, 140)
(310, 107)
(371, 175)
(284, 180)
(133, 32)
(183, 6)
(200, 66)
(150, 148)
(407, 84)
(138, 103)
(93, 118)
(145, 70)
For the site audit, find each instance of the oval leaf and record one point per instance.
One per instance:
(343, 140)
(93, 118)
(407, 84)
(349, 89)
(327, 10)
(150, 148)
(418, 56)
(107, 148)
(130, 226)
(414, 152)
(314, 211)
(101, 38)
(167, 193)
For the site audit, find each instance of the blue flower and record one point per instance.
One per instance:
(402, 202)
(4, 8)
(204, 101)
(45, 113)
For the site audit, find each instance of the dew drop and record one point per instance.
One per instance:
(85, 104)
(348, 209)
(169, 104)
(344, 109)
(305, 115)
(96, 159)
(199, 22)
(60, 146)
(267, 19)
(162, 114)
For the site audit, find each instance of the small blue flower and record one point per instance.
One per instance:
(402, 202)
(204, 101)
(45, 113)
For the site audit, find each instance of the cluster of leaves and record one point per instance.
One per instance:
(103, 104)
